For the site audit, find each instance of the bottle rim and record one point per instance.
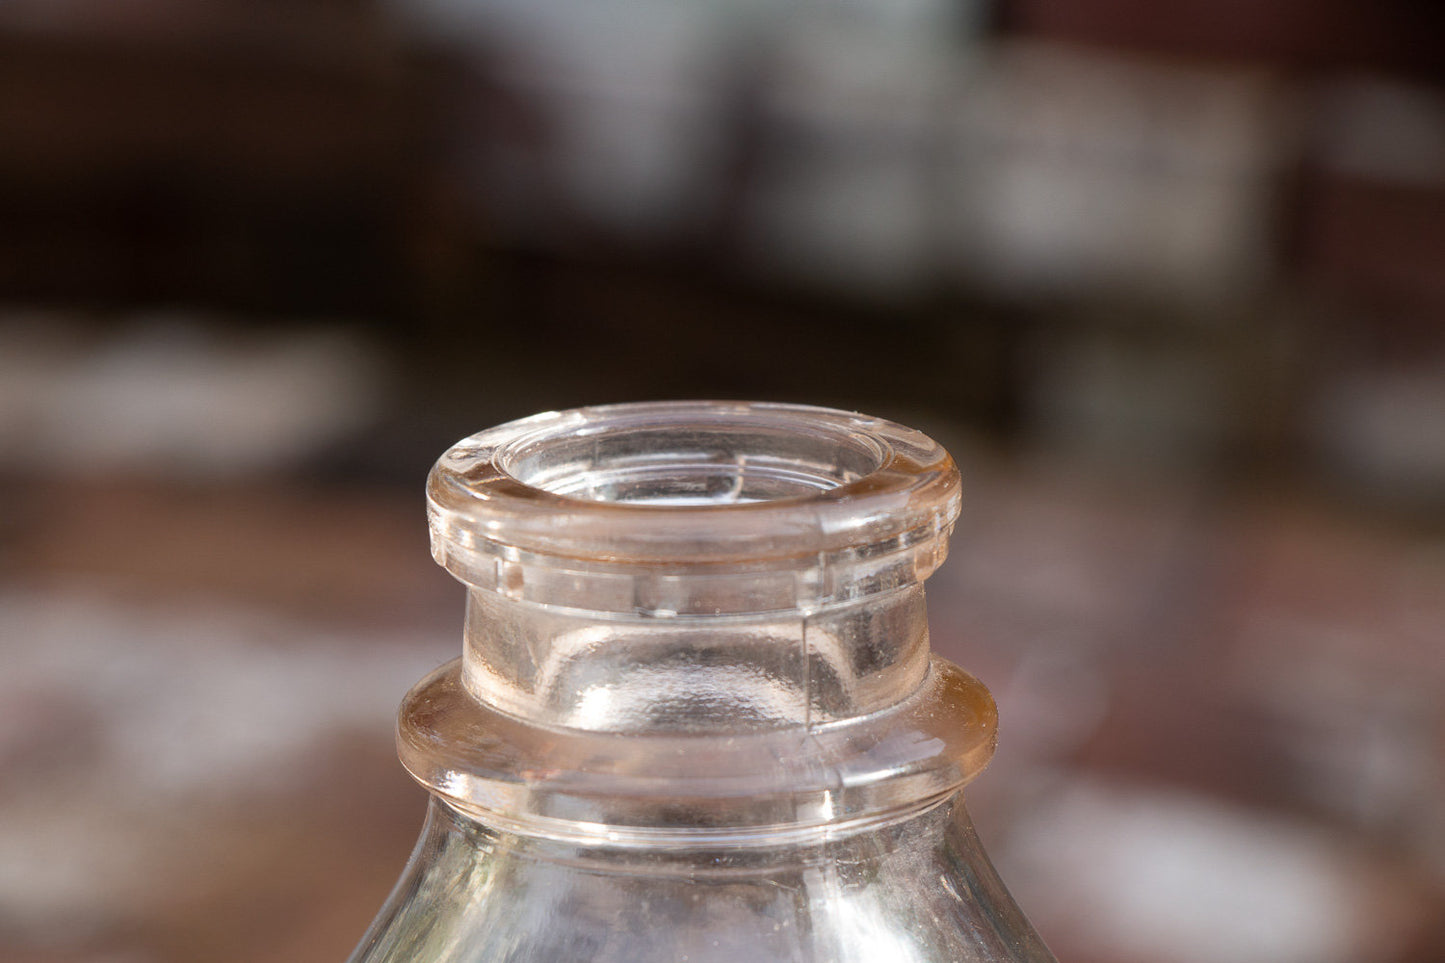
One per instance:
(687, 484)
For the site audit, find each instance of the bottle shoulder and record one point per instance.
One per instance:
(920, 890)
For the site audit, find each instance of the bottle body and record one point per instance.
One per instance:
(916, 889)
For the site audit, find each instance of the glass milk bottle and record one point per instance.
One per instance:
(696, 719)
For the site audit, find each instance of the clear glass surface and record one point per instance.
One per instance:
(696, 717)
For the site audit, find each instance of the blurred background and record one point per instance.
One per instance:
(1167, 277)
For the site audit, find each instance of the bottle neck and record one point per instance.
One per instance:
(720, 675)
(694, 620)
(728, 786)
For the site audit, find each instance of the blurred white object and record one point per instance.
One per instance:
(170, 397)
(844, 185)
(1137, 874)
(650, 108)
(1085, 173)
(627, 98)
(127, 730)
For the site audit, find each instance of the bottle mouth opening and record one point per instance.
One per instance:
(726, 461)
(690, 490)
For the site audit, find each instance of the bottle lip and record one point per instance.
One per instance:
(688, 483)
